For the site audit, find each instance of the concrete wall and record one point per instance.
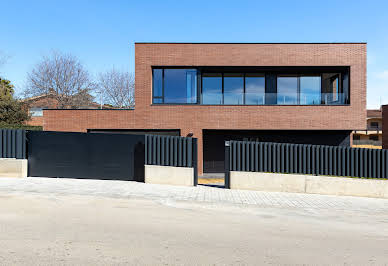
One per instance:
(309, 184)
(10, 167)
(169, 175)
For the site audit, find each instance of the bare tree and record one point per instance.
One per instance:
(116, 88)
(62, 76)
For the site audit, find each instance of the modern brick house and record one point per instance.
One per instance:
(285, 92)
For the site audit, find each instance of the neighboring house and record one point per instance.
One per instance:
(312, 93)
(36, 104)
(372, 136)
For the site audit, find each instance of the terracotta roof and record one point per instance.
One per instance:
(374, 113)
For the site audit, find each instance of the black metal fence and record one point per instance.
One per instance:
(305, 159)
(172, 151)
(86, 155)
(13, 143)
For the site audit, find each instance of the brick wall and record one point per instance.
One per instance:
(196, 118)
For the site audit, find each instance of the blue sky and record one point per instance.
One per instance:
(102, 33)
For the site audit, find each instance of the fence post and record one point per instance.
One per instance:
(195, 161)
(227, 164)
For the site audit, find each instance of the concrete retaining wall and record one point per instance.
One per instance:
(309, 184)
(181, 176)
(10, 167)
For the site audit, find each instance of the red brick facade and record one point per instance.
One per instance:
(195, 118)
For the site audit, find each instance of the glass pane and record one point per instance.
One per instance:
(310, 90)
(180, 86)
(157, 100)
(157, 79)
(287, 90)
(36, 111)
(334, 88)
(233, 88)
(331, 89)
(211, 88)
(191, 86)
(254, 89)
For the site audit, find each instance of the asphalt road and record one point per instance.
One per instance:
(49, 228)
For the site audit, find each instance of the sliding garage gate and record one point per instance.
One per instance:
(86, 155)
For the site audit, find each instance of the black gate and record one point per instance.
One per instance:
(86, 155)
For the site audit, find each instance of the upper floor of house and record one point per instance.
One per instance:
(251, 74)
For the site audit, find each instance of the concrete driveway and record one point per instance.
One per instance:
(78, 222)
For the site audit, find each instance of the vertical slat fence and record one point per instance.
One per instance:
(307, 159)
(172, 151)
(13, 143)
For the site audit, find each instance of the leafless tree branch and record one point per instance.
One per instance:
(63, 76)
(117, 88)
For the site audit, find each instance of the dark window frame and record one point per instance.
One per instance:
(163, 95)
(265, 71)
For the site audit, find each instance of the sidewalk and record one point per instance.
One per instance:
(199, 194)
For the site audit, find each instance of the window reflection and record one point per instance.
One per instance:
(310, 90)
(287, 90)
(212, 88)
(233, 88)
(254, 89)
(179, 86)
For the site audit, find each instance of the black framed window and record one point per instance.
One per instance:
(333, 90)
(374, 124)
(254, 89)
(287, 90)
(251, 86)
(157, 78)
(310, 90)
(298, 89)
(234, 88)
(172, 85)
(212, 88)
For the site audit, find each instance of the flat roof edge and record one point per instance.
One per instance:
(250, 42)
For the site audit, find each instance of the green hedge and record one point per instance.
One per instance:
(26, 127)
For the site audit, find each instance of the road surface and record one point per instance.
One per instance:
(94, 222)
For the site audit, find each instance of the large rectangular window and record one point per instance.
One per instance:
(175, 86)
(287, 90)
(254, 89)
(251, 85)
(310, 90)
(233, 88)
(212, 88)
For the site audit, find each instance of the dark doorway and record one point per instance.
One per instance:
(84, 155)
(214, 141)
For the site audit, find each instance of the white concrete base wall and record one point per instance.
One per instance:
(10, 167)
(309, 184)
(169, 175)
(267, 182)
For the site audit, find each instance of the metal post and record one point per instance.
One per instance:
(227, 164)
(195, 160)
